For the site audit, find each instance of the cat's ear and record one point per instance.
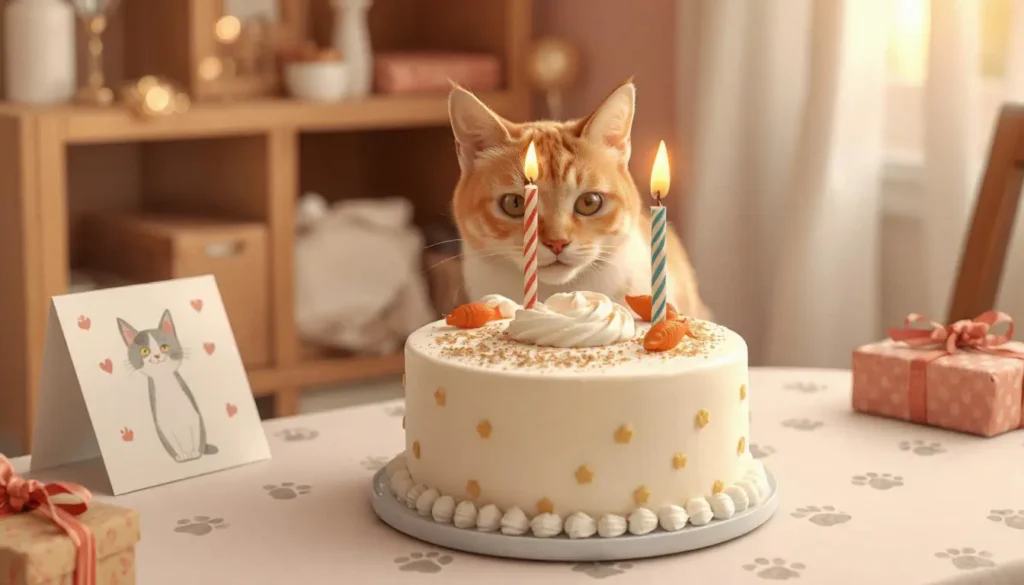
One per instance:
(611, 123)
(166, 324)
(476, 127)
(128, 332)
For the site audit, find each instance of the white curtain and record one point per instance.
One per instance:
(787, 139)
(786, 113)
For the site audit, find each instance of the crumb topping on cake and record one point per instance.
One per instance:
(491, 346)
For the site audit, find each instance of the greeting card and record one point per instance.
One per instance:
(148, 379)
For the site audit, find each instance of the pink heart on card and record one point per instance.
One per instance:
(232, 410)
(209, 347)
(84, 322)
(107, 365)
(197, 304)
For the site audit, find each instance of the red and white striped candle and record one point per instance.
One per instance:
(530, 230)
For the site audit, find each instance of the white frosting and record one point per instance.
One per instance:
(579, 525)
(672, 518)
(642, 521)
(514, 522)
(722, 506)
(579, 319)
(610, 526)
(738, 496)
(414, 494)
(443, 510)
(699, 511)
(465, 515)
(395, 465)
(488, 519)
(401, 483)
(753, 495)
(425, 503)
(546, 525)
(507, 306)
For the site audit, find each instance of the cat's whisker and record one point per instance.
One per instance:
(434, 245)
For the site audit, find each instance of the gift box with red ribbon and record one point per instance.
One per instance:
(53, 534)
(964, 377)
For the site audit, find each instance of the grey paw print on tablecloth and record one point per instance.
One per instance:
(968, 558)
(1008, 518)
(805, 387)
(919, 447)
(297, 434)
(802, 424)
(395, 410)
(601, 570)
(758, 451)
(775, 569)
(431, 562)
(287, 490)
(826, 516)
(878, 481)
(375, 462)
(200, 525)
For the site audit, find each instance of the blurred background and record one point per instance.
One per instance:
(826, 158)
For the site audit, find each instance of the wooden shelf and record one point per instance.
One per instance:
(86, 125)
(319, 372)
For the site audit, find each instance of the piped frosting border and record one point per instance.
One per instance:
(749, 492)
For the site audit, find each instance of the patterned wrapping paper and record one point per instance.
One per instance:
(967, 391)
(35, 551)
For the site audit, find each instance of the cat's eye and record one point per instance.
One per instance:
(588, 203)
(513, 205)
(144, 351)
(165, 347)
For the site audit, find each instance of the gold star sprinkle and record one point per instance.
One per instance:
(678, 461)
(403, 423)
(545, 506)
(584, 475)
(641, 495)
(743, 391)
(624, 434)
(416, 449)
(440, 397)
(718, 487)
(483, 428)
(473, 489)
(742, 446)
(703, 418)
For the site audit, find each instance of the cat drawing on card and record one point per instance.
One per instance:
(157, 354)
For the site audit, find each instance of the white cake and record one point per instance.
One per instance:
(558, 419)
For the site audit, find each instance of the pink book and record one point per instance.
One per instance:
(414, 72)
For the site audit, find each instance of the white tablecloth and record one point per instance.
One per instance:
(863, 501)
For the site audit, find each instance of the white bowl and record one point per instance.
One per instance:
(322, 81)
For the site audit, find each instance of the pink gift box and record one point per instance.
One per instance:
(421, 72)
(968, 390)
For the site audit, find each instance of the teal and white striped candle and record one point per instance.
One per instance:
(659, 268)
(659, 235)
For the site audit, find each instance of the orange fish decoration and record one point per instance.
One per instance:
(473, 315)
(666, 335)
(641, 305)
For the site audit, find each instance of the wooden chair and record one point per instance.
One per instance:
(984, 255)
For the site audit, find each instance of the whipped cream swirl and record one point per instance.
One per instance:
(578, 319)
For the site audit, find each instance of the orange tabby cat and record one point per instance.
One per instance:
(594, 228)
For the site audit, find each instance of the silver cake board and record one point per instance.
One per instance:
(562, 548)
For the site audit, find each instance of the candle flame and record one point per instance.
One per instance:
(530, 167)
(660, 173)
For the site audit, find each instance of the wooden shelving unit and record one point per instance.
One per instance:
(247, 161)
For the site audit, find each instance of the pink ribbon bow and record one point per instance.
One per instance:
(964, 334)
(19, 495)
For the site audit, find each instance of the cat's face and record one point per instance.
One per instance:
(154, 352)
(587, 201)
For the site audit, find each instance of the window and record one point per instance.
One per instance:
(907, 53)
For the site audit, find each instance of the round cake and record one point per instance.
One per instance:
(557, 418)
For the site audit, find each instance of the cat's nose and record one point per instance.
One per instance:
(556, 245)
